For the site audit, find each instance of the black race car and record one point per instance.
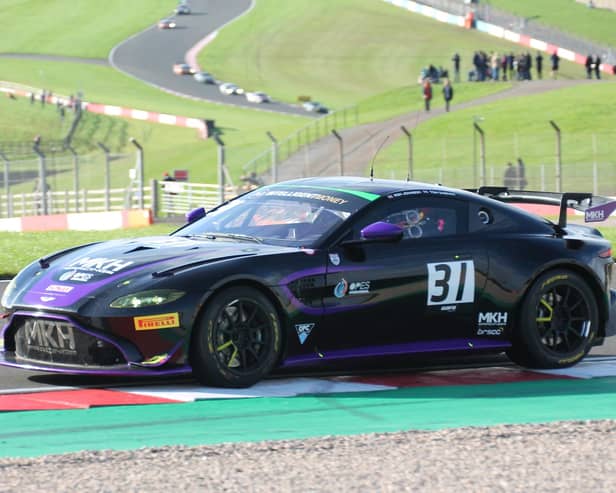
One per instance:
(316, 270)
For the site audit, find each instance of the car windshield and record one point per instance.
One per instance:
(280, 215)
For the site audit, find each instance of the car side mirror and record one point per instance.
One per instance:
(195, 215)
(381, 231)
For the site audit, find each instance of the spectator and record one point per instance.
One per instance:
(555, 61)
(521, 174)
(427, 93)
(510, 65)
(588, 65)
(456, 66)
(539, 65)
(504, 66)
(511, 176)
(447, 93)
(597, 66)
(529, 66)
(168, 192)
(495, 66)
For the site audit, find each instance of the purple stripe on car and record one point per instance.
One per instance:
(399, 349)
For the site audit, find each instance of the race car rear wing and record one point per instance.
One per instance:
(595, 207)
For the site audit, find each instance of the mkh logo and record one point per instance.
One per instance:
(492, 318)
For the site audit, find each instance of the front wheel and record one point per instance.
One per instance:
(558, 323)
(237, 341)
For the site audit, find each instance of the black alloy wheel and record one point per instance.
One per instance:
(559, 321)
(238, 339)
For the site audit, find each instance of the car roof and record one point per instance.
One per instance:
(363, 184)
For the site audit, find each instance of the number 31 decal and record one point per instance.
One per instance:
(451, 282)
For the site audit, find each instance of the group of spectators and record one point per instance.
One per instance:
(427, 93)
(508, 66)
(72, 103)
(593, 64)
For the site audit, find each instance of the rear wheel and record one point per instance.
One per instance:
(238, 339)
(559, 320)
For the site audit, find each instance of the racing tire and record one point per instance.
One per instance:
(237, 340)
(558, 322)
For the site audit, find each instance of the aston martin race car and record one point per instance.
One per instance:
(316, 270)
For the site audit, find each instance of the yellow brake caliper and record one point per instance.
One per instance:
(550, 310)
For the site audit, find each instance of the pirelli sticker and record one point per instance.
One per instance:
(155, 322)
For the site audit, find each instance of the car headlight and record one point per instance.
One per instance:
(147, 298)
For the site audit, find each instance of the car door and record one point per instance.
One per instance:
(415, 294)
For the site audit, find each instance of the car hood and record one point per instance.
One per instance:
(62, 279)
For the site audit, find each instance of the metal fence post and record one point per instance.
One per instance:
(341, 150)
(105, 149)
(559, 157)
(7, 190)
(139, 170)
(42, 176)
(274, 157)
(482, 154)
(75, 173)
(221, 168)
(409, 137)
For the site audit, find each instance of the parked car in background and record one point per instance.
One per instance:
(314, 107)
(167, 24)
(257, 97)
(183, 69)
(204, 77)
(228, 88)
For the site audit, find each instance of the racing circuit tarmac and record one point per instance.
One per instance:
(149, 55)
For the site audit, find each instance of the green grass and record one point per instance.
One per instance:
(72, 28)
(517, 127)
(340, 52)
(567, 15)
(19, 249)
(362, 52)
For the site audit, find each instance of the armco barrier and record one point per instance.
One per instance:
(497, 31)
(85, 221)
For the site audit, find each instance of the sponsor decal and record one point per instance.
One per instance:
(59, 288)
(341, 288)
(451, 282)
(492, 318)
(449, 308)
(306, 195)
(100, 265)
(359, 287)
(334, 258)
(155, 322)
(47, 298)
(303, 331)
(560, 277)
(491, 331)
(67, 275)
(599, 212)
(491, 323)
(50, 336)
